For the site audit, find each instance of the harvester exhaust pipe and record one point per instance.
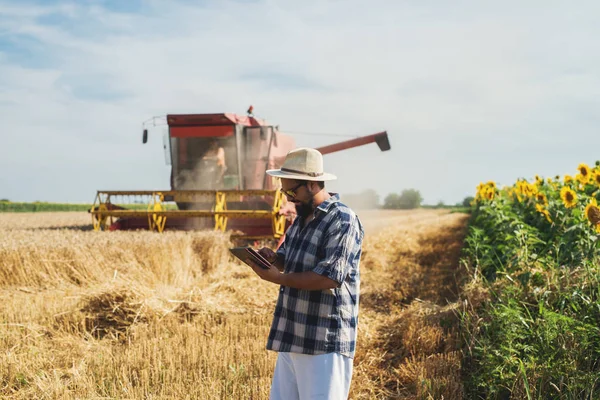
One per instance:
(145, 136)
(380, 138)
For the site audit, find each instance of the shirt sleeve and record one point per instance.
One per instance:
(341, 245)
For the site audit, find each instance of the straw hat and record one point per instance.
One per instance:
(303, 164)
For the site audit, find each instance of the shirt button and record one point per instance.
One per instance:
(281, 290)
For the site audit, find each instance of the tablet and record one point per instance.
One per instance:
(247, 253)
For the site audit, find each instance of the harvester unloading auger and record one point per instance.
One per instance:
(218, 179)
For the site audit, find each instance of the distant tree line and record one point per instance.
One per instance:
(407, 200)
(369, 199)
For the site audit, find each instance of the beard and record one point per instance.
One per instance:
(305, 209)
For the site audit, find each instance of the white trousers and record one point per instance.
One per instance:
(303, 376)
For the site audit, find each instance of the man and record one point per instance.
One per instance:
(317, 267)
(213, 163)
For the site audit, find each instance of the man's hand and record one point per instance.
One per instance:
(300, 280)
(272, 274)
(269, 254)
(272, 257)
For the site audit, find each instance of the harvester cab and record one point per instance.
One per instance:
(218, 179)
(223, 151)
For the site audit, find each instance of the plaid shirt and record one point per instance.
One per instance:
(320, 321)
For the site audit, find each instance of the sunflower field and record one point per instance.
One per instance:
(531, 312)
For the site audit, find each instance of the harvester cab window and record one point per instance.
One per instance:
(205, 163)
(230, 176)
(257, 144)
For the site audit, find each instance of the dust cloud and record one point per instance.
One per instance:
(203, 176)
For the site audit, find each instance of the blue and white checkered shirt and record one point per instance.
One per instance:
(320, 321)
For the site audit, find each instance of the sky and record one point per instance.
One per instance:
(468, 91)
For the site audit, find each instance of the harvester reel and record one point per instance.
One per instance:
(99, 220)
(156, 222)
(220, 205)
(226, 209)
(279, 220)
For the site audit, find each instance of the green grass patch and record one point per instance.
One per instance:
(451, 209)
(8, 206)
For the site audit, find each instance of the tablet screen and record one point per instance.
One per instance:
(247, 253)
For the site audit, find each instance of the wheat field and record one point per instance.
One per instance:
(141, 315)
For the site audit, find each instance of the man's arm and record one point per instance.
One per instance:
(297, 280)
(307, 281)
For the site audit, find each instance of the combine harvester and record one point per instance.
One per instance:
(218, 179)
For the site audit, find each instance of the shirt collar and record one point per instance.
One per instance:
(326, 205)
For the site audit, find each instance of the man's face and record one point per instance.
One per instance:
(299, 193)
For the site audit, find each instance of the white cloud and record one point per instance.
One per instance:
(467, 91)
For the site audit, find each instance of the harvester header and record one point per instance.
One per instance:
(218, 179)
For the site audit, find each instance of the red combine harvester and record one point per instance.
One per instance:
(218, 179)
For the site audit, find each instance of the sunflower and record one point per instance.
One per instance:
(540, 208)
(541, 198)
(510, 192)
(513, 194)
(568, 197)
(596, 177)
(584, 173)
(528, 189)
(592, 212)
(582, 179)
(482, 191)
(519, 190)
(485, 191)
(491, 184)
(568, 179)
(539, 181)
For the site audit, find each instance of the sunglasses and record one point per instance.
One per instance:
(292, 192)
